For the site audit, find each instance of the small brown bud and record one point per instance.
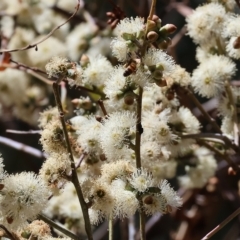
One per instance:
(155, 18)
(168, 29)
(152, 36)
(151, 25)
(1, 186)
(236, 43)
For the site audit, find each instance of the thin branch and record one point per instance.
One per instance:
(9, 234)
(22, 147)
(57, 226)
(205, 136)
(28, 70)
(219, 154)
(75, 180)
(100, 103)
(23, 132)
(35, 69)
(221, 225)
(204, 113)
(34, 45)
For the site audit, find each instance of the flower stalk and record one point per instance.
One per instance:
(75, 180)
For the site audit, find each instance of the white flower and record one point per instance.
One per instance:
(228, 4)
(159, 59)
(130, 28)
(102, 198)
(141, 180)
(96, 71)
(114, 84)
(117, 132)
(126, 202)
(24, 196)
(119, 49)
(52, 137)
(185, 121)
(154, 203)
(179, 76)
(172, 199)
(206, 22)
(57, 66)
(231, 26)
(55, 169)
(208, 79)
(89, 135)
(38, 229)
(114, 170)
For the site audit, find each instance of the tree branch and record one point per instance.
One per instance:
(33, 45)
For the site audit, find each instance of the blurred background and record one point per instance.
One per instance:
(203, 209)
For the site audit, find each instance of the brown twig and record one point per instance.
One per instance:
(23, 132)
(222, 224)
(75, 180)
(100, 103)
(57, 226)
(22, 147)
(9, 234)
(30, 71)
(34, 45)
(219, 154)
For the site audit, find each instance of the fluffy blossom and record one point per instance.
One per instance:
(23, 196)
(208, 79)
(206, 22)
(141, 180)
(96, 71)
(117, 133)
(130, 28)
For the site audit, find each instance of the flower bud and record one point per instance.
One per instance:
(157, 20)
(152, 36)
(1, 186)
(168, 29)
(236, 43)
(151, 25)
